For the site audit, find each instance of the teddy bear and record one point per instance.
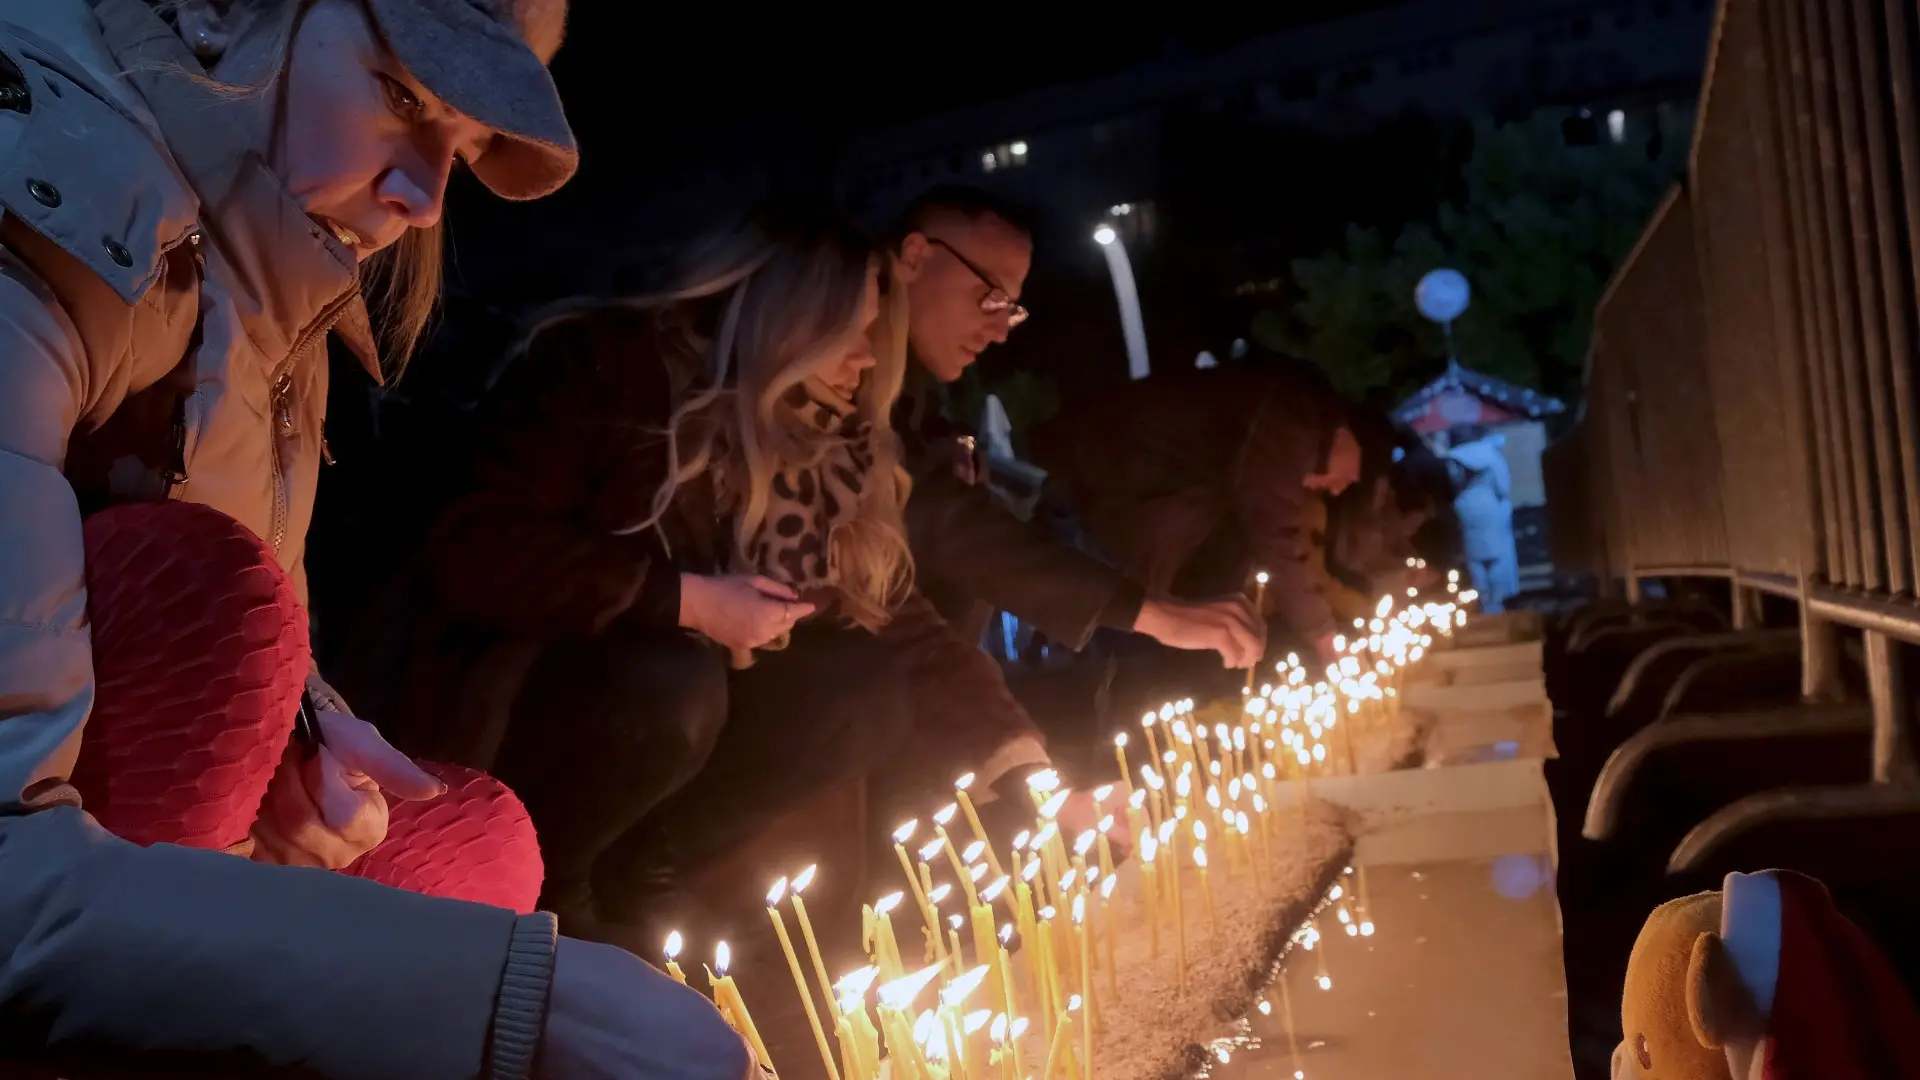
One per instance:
(1762, 980)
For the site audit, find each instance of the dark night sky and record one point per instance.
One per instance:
(654, 88)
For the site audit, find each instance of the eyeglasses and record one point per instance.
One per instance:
(996, 300)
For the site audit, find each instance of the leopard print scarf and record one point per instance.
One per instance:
(806, 503)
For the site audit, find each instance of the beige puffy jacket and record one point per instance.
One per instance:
(132, 210)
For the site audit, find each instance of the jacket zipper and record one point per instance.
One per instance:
(283, 425)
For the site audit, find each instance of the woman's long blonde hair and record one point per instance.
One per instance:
(754, 312)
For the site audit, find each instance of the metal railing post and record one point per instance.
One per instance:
(1887, 691)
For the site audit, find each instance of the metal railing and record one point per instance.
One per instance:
(1750, 410)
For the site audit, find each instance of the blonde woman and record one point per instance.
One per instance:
(680, 599)
(195, 194)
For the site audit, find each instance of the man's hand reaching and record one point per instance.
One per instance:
(1227, 626)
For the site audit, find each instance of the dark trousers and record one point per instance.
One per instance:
(642, 753)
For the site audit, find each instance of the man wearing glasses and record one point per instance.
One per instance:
(965, 254)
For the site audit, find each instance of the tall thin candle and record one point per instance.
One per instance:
(774, 896)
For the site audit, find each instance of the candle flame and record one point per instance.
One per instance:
(899, 993)
(1084, 842)
(1241, 822)
(976, 1020)
(722, 957)
(976, 872)
(1044, 780)
(1106, 824)
(674, 944)
(930, 849)
(1148, 720)
(1200, 831)
(1107, 886)
(1018, 1027)
(957, 991)
(939, 894)
(999, 1028)
(927, 1032)
(1148, 846)
(992, 892)
(1120, 740)
(1030, 871)
(1051, 808)
(965, 782)
(973, 851)
(1073, 1003)
(855, 984)
(1102, 793)
(1067, 880)
(956, 921)
(905, 832)
(1020, 839)
(887, 903)
(946, 813)
(803, 879)
(1261, 577)
(1079, 909)
(1138, 800)
(779, 890)
(1200, 857)
(1166, 831)
(1006, 933)
(1047, 913)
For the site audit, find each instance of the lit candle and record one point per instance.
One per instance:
(800, 882)
(973, 819)
(851, 992)
(1006, 981)
(986, 946)
(1057, 1044)
(1149, 891)
(1049, 965)
(732, 1006)
(953, 855)
(1111, 933)
(1086, 983)
(1120, 759)
(774, 896)
(1147, 723)
(1260, 612)
(888, 949)
(1106, 849)
(1179, 909)
(673, 954)
(900, 837)
(1206, 891)
(953, 939)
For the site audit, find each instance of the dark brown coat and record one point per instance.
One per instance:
(1157, 467)
(571, 456)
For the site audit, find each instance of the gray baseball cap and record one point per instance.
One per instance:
(488, 59)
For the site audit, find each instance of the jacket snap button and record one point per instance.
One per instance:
(44, 193)
(118, 252)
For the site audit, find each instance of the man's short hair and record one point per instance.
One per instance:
(961, 200)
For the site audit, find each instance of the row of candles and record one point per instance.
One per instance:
(1203, 799)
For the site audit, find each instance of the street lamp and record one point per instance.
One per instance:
(1132, 328)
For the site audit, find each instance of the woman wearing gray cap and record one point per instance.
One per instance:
(195, 194)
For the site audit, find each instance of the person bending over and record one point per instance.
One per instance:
(680, 600)
(964, 255)
(195, 193)
(1196, 480)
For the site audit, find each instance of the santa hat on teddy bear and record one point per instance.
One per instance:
(1831, 1006)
